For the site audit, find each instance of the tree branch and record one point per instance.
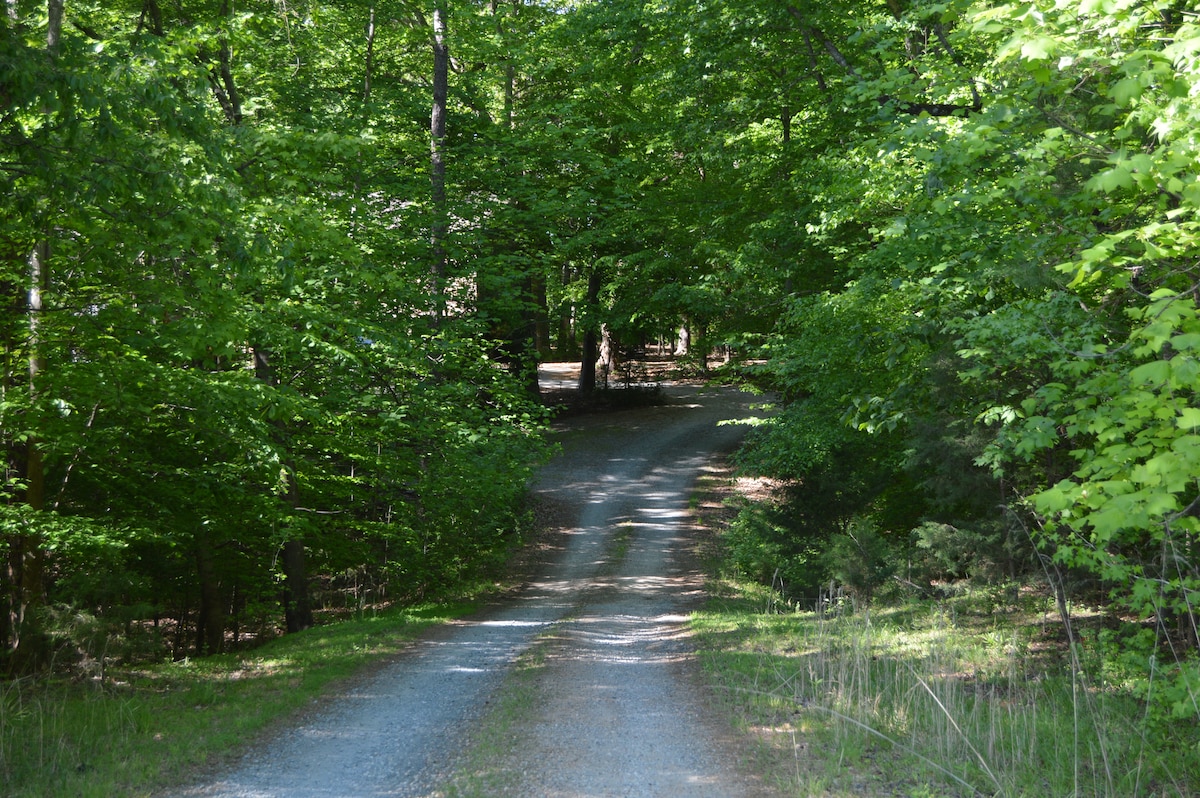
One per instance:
(940, 31)
(901, 106)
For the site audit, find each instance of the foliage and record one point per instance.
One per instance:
(761, 545)
(860, 559)
(232, 355)
(958, 238)
(992, 305)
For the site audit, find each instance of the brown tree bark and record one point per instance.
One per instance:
(297, 603)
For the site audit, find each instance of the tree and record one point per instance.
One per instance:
(1010, 221)
(232, 362)
(437, 162)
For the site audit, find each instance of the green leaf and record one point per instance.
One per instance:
(1157, 372)
(1189, 418)
(1115, 179)
(1124, 91)
(1038, 48)
(1186, 342)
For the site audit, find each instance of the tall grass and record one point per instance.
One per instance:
(140, 729)
(928, 700)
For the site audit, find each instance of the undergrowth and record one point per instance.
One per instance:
(976, 691)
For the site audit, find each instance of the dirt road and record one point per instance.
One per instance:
(616, 710)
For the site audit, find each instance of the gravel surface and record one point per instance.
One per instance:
(618, 710)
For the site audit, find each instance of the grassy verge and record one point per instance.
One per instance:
(146, 728)
(971, 695)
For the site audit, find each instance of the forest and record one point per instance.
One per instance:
(276, 275)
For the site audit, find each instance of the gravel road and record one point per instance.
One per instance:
(618, 710)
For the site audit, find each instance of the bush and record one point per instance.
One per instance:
(762, 545)
(978, 552)
(860, 559)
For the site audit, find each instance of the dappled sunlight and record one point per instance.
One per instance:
(512, 623)
(663, 514)
(604, 611)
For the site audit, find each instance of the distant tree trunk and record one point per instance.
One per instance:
(683, 341)
(437, 165)
(24, 570)
(510, 70)
(542, 321)
(25, 566)
(369, 66)
(31, 555)
(566, 320)
(591, 331)
(566, 335)
(608, 355)
(526, 337)
(297, 603)
(210, 620)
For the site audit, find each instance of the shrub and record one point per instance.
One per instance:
(860, 559)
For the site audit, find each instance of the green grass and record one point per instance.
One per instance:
(486, 768)
(949, 698)
(148, 727)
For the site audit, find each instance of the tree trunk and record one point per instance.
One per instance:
(54, 20)
(587, 364)
(25, 568)
(437, 165)
(683, 341)
(510, 70)
(591, 331)
(297, 604)
(608, 356)
(525, 337)
(369, 67)
(542, 320)
(210, 620)
(26, 564)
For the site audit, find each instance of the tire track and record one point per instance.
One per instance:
(613, 632)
